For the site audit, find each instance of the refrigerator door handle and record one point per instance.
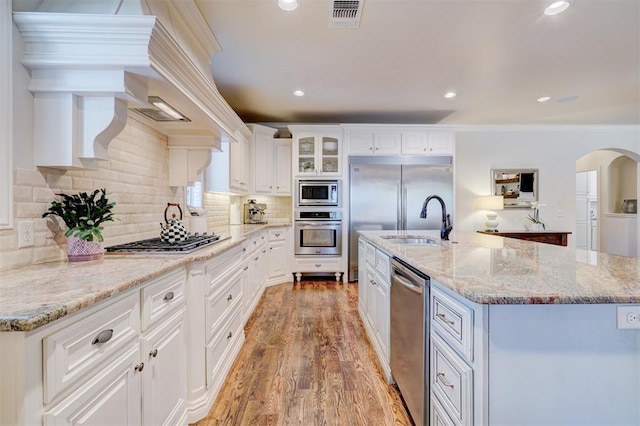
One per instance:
(404, 204)
(399, 218)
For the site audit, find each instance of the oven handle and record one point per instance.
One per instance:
(316, 224)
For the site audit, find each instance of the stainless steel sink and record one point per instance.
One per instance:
(415, 240)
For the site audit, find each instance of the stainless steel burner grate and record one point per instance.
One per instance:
(156, 245)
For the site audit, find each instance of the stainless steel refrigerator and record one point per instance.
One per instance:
(387, 193)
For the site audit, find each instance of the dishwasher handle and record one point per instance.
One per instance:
(399, 278)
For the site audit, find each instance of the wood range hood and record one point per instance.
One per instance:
(94, 62)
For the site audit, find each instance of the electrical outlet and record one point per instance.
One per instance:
(628, 317)
(25, 234)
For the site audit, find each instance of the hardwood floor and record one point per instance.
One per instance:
(307, 361)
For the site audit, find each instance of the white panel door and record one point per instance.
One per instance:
(111, 397)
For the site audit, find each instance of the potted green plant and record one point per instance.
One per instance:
(83, 213)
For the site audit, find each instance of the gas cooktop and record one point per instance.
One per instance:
(156, 245)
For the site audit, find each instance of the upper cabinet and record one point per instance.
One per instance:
(228, 169)
(271, 162)
(398, 140)
(433, 142)
(317, 151)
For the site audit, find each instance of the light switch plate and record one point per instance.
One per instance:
(25, 234)
(628, 317)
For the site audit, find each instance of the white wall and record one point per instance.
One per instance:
(552, 150)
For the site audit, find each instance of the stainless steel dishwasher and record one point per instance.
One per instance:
(410, 337)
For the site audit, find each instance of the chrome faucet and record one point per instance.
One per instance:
(446, 227)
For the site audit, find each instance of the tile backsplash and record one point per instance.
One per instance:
(136, 177)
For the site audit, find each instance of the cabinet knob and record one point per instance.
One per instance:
(270, 248)
(377, 149)
(373, 282)
(264, 251)
(245, 268)
(229, 298)
(370, 148)
(424, 149)
(103, 337)
(169, 296)
(277, 187)
(229, 335)
(139, 367)
(430, 149)
(153, 353)
(270, 187)
(256, 258)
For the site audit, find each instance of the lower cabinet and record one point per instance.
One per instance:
(311, 264)
(279, 242)
(374, 285)
(101, 366)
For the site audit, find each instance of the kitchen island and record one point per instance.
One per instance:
(523, 333)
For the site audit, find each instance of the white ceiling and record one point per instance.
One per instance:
(498, 55)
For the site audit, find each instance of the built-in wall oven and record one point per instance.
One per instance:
(316, 193)
(318, 233)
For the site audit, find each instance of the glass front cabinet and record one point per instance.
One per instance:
(317, 153)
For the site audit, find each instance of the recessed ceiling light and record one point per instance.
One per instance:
(288, 5)
(568, 98)
(556, 7)
(543, 99)
(450, 95)
(298, 93)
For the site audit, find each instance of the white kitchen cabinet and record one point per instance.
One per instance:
(315, 264)
(432, 142)
(317, 151)
(165, 372)
(228, 170)
(279, 241)
(98, 366)
(374, 143)
(110, 397)
(255, 265)
(374, 285)
(271, 163)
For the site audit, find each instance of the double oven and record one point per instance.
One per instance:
(318, 218)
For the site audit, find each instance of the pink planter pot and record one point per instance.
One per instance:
(79, 250)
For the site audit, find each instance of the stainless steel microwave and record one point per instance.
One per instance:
(319, 193)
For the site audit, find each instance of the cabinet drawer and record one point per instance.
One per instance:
(223, 301)
(73, 352)
(371, 254)
(161, 297)
(439, 416)
(218, 347)
(277, 234)
(383, 265)
(317, 264)
(451, 381)
(453, 321)
(221, 264)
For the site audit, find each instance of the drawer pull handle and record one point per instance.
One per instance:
(264, 251)
(373, 282)
(229, 335)
(103, 337)
(229, 298)
(318, 265)
(256, 258)
(139, 367)
(444, 318)
(153, 353)
(244, 249)
(168, 296)
(443, 380)
(277, 234)
(245, 268)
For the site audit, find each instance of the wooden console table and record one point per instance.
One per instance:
(549, 237)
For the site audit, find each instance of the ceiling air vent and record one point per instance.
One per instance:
(345, 13)
(159, 110)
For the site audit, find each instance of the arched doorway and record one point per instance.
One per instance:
(606, 199)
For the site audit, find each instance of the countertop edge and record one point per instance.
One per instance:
(32, 319)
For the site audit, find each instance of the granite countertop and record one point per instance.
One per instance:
(33, 296)
(490, 269)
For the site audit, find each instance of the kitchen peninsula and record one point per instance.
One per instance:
(522, 333)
